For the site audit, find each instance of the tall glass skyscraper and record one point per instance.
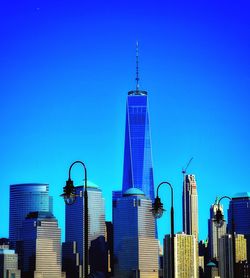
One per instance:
(137, 169)
(74, 231)
(25, 198)
(240, 207)
(136, 250)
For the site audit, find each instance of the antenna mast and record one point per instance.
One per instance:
(137, 67)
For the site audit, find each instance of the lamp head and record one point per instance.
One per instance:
(69, 194)
(219, 218)
(157, 208)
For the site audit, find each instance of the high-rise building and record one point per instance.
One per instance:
(41, 246)
(185, 256)
(190, 206)
(240, 206)
(137, 167)
(74, 233)
(226, 265)
(215, 232)
(9, 264)
(25, 198)
(136, 250)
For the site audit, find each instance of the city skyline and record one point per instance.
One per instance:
(63, 97)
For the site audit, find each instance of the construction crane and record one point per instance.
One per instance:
(184, 170)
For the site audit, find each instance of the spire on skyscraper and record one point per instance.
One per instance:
(137, 90)
(137, 67)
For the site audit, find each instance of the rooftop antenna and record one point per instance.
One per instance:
(137, 67)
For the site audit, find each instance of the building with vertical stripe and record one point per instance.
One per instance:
(136, 250)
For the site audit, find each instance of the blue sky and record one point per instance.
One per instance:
(66, 68)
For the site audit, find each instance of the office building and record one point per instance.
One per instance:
(25, 198)
(136, 250)
(240, 205)
(41, 246)
(226, 263)
(74, 233)
(215, 232)
(9, 264)
(190, 206)
(137, 167)
(185, 256)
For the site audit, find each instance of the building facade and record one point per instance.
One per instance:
(136, 250)
(239, 208)
(190, 206)
(41, 246)
(185, 256)
(226, 263)
(25, 198)
(9, 264)
(137, 167)
(215, 232)
(74, 233)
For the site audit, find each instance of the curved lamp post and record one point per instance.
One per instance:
(219, 220)
(157, 210)
(69, 196)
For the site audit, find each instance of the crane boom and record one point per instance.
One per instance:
(184, 170)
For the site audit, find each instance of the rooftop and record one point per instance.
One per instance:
(241, 195)
(133, 191)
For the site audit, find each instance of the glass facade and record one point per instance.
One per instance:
(25, 198)
(240, 205)
(137, 167)
(74, 228)
(135, 247)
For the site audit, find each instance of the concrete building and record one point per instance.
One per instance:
(226, 264)
(9, 264)
(215, 232)
(190, 206)
(185, 256)
(41, 246)
(136, 250)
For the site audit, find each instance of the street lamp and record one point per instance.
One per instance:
(219, 221)
(69, 196)
(157, 210)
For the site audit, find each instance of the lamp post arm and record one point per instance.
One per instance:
(172, 224)
(232, 232)
(85, 171)
(224, 197)
(86, 222)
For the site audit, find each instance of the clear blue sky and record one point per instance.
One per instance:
(66, 68)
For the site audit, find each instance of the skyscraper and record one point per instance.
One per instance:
(185, 256)
(135, 247)
(41, 246)
(25, 198)
(226, 265)
(137, 167)
(74, 232)
(215, 232)
(240, 207)
(190, 206)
